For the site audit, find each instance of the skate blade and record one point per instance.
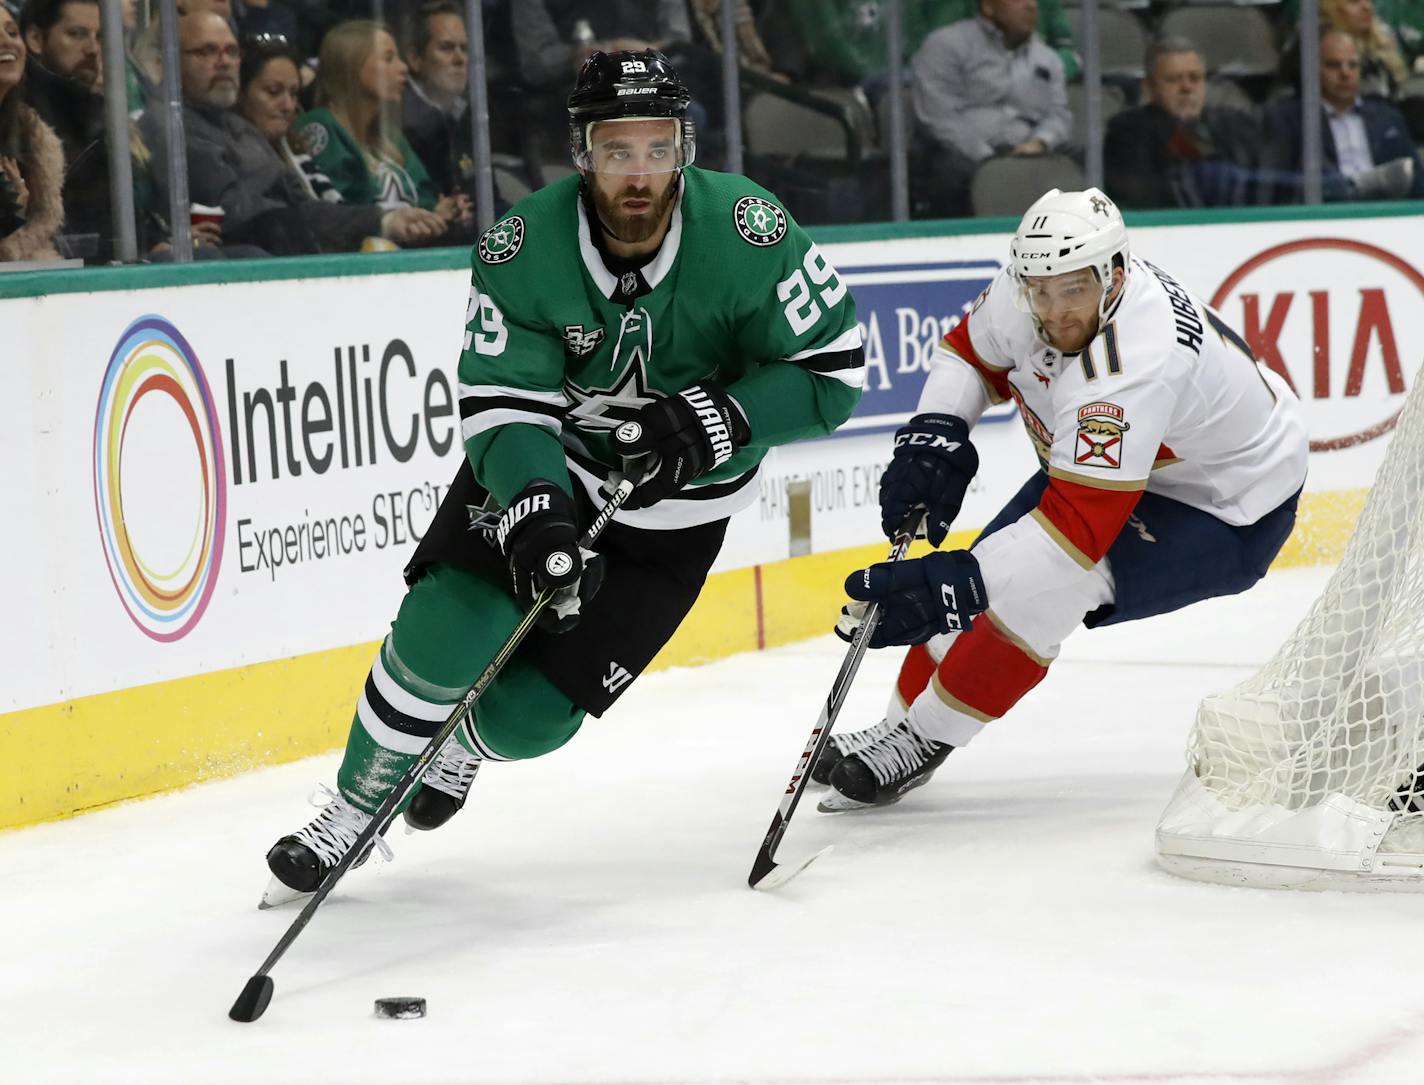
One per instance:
(836, 803)
(277, 894)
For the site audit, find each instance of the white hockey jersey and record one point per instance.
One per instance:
(1167, 398)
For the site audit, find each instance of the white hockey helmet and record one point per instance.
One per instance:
(1067, 231)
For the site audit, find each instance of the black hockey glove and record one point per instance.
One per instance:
(938, 593)
(932, 466)
(539, 538)
(682, 437)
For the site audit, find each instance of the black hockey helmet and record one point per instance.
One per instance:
(628, 85)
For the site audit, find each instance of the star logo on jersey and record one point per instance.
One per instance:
(759, 222)
(608, 408)
(314, 137)
(502, 241)
(579, 342)
(1100, 430)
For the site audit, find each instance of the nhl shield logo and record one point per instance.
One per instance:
(579, 342)
(1100, 430)
(759, 222)
(502, 241)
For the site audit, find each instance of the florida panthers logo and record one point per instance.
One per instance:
(1100, 430)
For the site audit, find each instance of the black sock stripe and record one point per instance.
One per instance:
(395, 719)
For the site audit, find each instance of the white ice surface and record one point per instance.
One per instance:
(586, 918)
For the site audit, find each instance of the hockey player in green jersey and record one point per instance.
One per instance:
(643, 317)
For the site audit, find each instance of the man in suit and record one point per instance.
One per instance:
(1175, 150)
(1368, 154)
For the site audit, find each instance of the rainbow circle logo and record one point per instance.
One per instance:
(161, 507)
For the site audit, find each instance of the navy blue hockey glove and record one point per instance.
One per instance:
(932, 466)
(538, 537)
(938, 593)
(681, 437)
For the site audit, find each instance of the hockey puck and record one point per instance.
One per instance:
(400, 1009)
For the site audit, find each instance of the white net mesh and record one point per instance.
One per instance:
(1340, 709)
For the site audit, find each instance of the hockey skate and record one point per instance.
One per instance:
(443, 788)
(896, 760)
(842, 744)
(300, 861)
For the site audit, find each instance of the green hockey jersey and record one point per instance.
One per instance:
(559, 351)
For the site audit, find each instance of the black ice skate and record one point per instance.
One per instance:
(300, 861)
(898, 760)
(842, 744)
(443, 788)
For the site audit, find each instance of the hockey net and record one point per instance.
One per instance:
(1310, 774)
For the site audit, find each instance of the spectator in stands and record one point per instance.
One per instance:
(354, 134)
(31, 161)
(1406, 19)
(751, 50)
(64, 84)
(234, 161)
(1175, 150)
(435, 108)
(987, 86)
(1382, 67)
(1367, 150)
(845, 39)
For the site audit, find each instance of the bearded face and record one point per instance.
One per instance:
(634, 177)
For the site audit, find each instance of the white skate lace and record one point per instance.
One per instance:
(332, 832)
(452, 771)
(899, 752)
(855, 741)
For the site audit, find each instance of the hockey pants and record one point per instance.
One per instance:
(1169, 555)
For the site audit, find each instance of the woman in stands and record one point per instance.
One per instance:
(268, 81)
(31, 161)
(354, 135)
(1382, 67)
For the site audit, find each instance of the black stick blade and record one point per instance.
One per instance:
(763, 866)
(253, 1000)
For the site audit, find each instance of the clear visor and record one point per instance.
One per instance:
(1058, 296)
(636, 146)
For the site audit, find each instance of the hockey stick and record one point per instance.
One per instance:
(766, 873)
(257, 993)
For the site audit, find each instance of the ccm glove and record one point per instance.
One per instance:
(538, 537)
(680, 438)
(932, 466)
(938, 593)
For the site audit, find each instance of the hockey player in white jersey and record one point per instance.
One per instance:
(1171, 463)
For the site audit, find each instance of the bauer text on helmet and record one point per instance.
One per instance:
(615, 91)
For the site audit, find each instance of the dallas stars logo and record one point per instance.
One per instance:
(502, 241)
(759, 222)
(1100, 205)
(608, 408)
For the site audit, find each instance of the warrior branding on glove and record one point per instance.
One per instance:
(683, 437)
